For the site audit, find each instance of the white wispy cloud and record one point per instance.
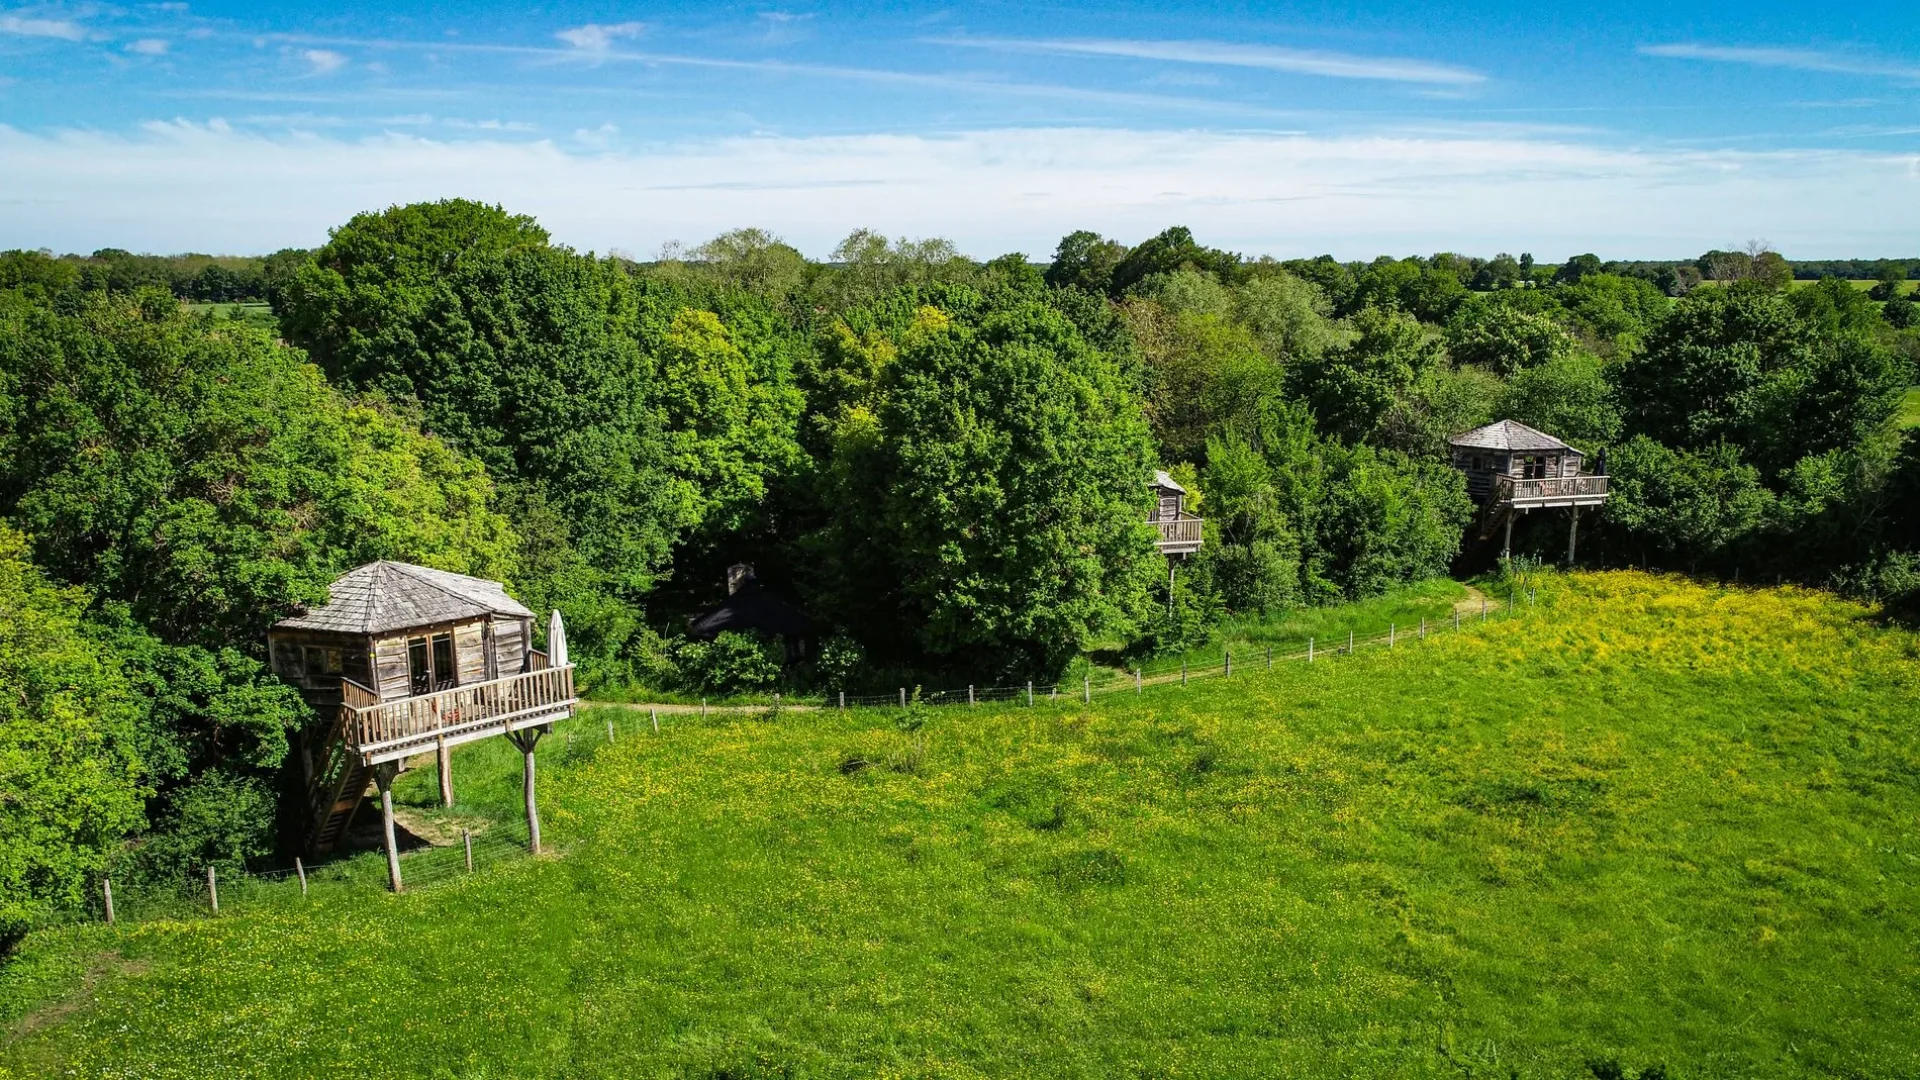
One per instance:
(1228, 54)
(177, 185)
(598, 38)
(33, 26)
(148, 47)
(1797, 59)
(323, 61)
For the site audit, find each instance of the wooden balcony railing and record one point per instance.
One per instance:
(1558, 490)
(383, 731)
(1181, 533)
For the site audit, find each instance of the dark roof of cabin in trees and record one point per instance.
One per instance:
(751, 607)
(384, 596)
(1508, 435)
(1164, 479)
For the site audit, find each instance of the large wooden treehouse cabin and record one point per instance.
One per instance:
(409, 661)
(1513, 469)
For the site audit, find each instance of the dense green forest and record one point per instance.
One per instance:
(943, 460)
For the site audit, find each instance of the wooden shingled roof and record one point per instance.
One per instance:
(1508, 435)
(385, 596)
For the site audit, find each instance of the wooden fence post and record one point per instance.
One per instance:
(843, 701)
(1183, 673)
(703, 713)
(466, 839)
(1086, 689)
(213, 891)
(969, 695)
(301, 869)
(655, 714)
(609, 731)
(1229, 673)
(1269, 658)
(1393, 631)
(1029, 693)
(1423, 626)
(1349, 643)
(1309, 650)
(1456, 618)
(1136, 680)
(106, 890)
(903, 697)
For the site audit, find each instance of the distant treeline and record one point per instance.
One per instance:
(254, 278)
(214, 279)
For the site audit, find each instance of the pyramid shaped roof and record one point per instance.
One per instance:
(1508, 435)
(384, 596)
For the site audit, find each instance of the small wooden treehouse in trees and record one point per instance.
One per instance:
(1179, 530)
(407, 661)
(1513, 469)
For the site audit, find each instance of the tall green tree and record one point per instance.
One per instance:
(992, 509)
(70, 770)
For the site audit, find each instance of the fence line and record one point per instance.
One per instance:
(228, 890)
(1137, 679)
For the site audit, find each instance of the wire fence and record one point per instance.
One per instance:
(217, 891)
(1180, 672)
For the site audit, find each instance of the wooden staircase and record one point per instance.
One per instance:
(339, 784)
(1497, 509)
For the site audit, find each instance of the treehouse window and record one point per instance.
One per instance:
(323, 663)
(1533, 468)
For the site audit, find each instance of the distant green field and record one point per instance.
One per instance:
(1909, 414)
(253, 314)
(1647, 824)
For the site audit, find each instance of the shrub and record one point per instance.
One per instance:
(730, 663)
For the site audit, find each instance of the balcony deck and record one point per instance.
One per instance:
(1552, 492)
(1178, 537)
(379, 731)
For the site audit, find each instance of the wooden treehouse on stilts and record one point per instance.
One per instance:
(410, 661)
(1513, 469)
(1179, 530)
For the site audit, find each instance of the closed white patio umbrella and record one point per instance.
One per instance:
(556, 640)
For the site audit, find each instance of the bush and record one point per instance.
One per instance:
(731, 663)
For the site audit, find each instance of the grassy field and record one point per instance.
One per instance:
(255, 314)
(1645, 823)
(1909, 414)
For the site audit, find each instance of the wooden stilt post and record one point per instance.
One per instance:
(300, 868)
(1573, 534)
(444, 759)
(213, 891)
(383, 775)
(527, 739)
(106, 890)
(1506, 547)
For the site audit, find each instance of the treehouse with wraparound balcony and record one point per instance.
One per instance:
(406, 661)
(1513, 469)
(1179, 530)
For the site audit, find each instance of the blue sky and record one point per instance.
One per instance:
(1632, 130)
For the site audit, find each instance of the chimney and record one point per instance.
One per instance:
(737, 575)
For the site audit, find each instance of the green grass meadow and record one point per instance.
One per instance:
(1645, 823)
